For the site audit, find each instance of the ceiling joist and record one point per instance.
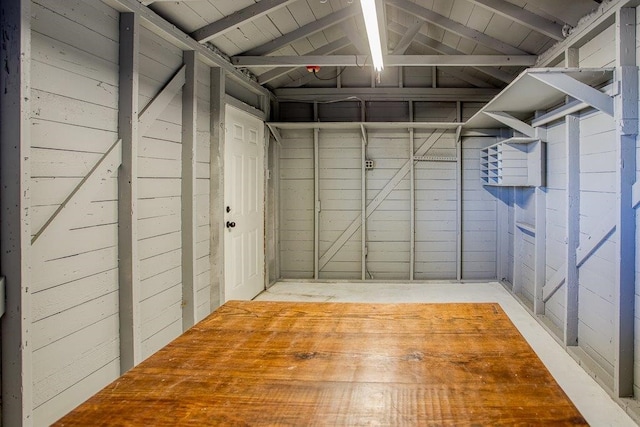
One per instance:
(242, 16)
(447, 50)
(455, 27)
(389, 60)
(388, 94)
(407, 38)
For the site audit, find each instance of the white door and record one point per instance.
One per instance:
(244, 205)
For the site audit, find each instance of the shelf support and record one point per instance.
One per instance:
(512, 122)
(578, 90)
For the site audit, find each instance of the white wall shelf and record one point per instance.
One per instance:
(514, 162)
(541, 89)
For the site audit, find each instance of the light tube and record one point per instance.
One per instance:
(373, 32)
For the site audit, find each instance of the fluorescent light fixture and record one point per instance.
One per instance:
(373, 32)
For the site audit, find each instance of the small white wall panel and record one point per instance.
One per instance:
(556, 216)
(599, 51)
(435, 184)
(479, 218)
(74, 282)
(296, 204)
(340, 196)
(597, 195)
(387, 235)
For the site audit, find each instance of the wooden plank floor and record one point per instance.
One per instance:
(282, 363)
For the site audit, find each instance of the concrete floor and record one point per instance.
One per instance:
(590, 399)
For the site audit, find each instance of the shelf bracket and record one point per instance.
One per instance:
(512, 122)
(364, 134)
(578, 90)
(276, 134)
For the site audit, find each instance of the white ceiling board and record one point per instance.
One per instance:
(479, 19)
(283, 20)
(499, 26)
(226, 44)
(209, 12)
(317, 40)
(301, 12)
(180, 15)
(461, 11)
(536, 43)
(567, 11)
(443, 7)
(302, 46)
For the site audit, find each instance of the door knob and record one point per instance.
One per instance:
(231, 224)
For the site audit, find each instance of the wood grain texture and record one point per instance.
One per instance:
(275, 363)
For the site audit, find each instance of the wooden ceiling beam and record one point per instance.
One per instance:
(389, 60)
(239, 17)
(447, 50)
(455, 27)
(305, 31)
(386, 94)
(407, 38)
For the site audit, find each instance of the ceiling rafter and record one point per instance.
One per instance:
(407, 38)
(239, 17)
(456, 27)
(524, 17)
(305, 31)
(390, 60)
(324, 50)
(447, 50)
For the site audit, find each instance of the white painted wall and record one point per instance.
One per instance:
(74, 290)
(596, 308)
(75, 322)
(388, 227)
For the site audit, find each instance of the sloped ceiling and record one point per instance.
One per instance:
(257, 35)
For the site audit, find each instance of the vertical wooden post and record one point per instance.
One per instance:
(434, 77)
(516, 285)
(626, 116)
(363, 206)
(15, 174)
(412, 216)
(572, 228)
(316, 207)
(189, 221)
(459, 195)
(276, 176)
(216, 216)
(128, 267)
(540, 239)
(572, 219)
